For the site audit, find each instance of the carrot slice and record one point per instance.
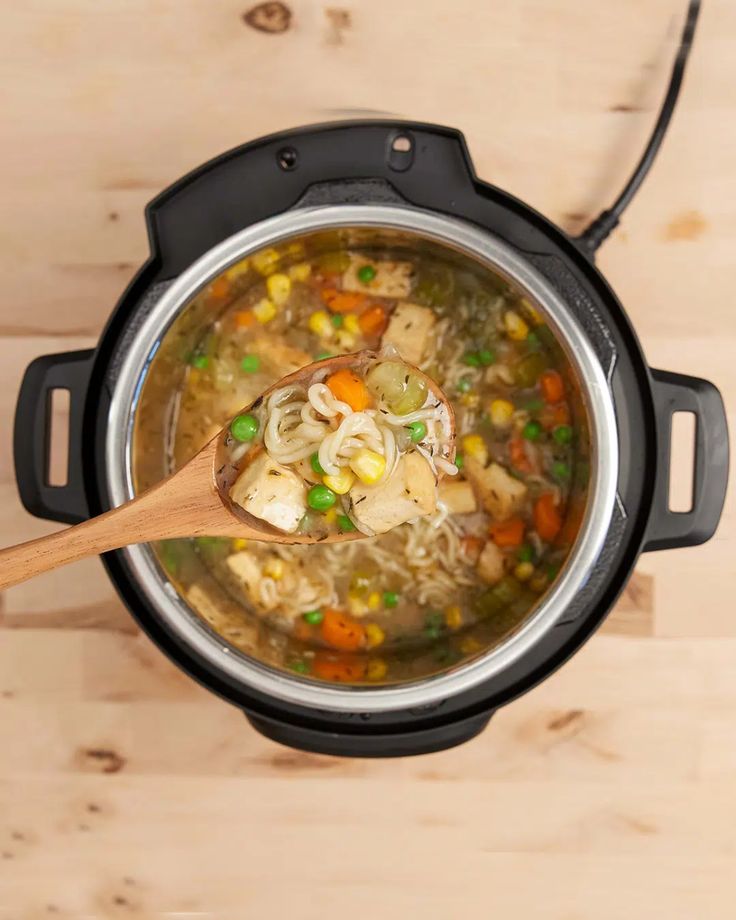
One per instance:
(339, 668)
(341, 631)
(552, 416)
(342, 301)
(553, 389)
(220, 288)
(507, 533)
(349, 388)
(472, 547)
(518, 456)
(244, 319)
(373, 321)
(547, 518)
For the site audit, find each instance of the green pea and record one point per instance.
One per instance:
(336, 320)
(390, 599)
(323, 355)
(345, 524)
(418, 431)
(486, 356)
(434, 620)
(313, 617)
(507, 590)
(459, 461)
(532, 431)
(532, 340)
(301, 667)
(207, 542)
(316, 465)
(562, 434)
(525, 554)
(320, 498)
(552, 571)
(432, 632)
(170, 556)
(244, 427)
(250, 364)
(200, 361)
(465, 384)
(366, 274)
(472, 359)
(560, 470)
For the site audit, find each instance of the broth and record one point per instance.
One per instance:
(428, 594)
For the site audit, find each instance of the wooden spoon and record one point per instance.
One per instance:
(192, 502)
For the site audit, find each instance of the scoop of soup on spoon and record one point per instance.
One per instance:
(346, 447)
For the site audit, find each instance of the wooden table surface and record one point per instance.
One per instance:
(126, 790)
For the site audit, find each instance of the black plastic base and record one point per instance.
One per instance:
(402, 744)
(348, 163)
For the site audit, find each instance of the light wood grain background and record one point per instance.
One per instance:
(127, 791)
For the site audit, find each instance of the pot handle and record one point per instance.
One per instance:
(31, 436)
(680, 393)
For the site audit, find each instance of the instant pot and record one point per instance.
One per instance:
(381, 178)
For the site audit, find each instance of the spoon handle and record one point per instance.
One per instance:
(180, 506)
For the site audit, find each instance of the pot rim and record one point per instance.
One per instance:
(455, 234)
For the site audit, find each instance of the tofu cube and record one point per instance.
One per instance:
(245, 568)
(282, 357)
(200, 600)
(390, 279)
(490, 564)
(271, 492)
(409, 330)
(411, 492)
(458, 497)
(501, 495)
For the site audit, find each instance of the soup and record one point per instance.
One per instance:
(432, 592)
(348, 446)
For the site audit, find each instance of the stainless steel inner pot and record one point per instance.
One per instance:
(462, 238)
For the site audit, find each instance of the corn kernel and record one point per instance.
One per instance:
(515, 326)
(374, 635)
(367, 465)
(534, 315)
(266, 261)
(453, 617)
(341, 482)
(238, 270)
(524, 571)
(239, 544)
(501, 411)
(356, 605)
(474, 446)
(374, 600)
(345, 340)
(319, 323)
(274, 568)
(279, 288)
(376, 669)
(330, 516)
(300, 272)
(470, 645)
(351, 324)
(296, 250)
(264, 311)
(471, 400)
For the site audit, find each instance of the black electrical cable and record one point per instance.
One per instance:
(592, 237)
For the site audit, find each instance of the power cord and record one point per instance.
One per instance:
(596, 232)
